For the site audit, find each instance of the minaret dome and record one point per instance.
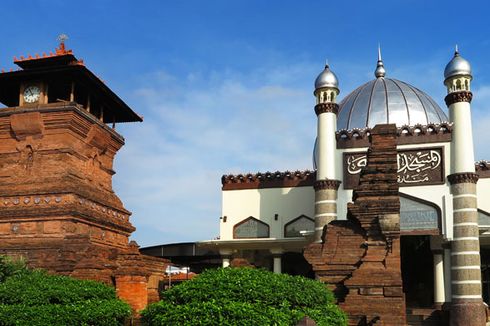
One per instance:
(457, 74)
(326, 86)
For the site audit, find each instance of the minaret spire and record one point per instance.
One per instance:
(380, 69)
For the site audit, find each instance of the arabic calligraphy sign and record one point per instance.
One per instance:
(415, 167)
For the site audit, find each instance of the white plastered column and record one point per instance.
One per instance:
(327, 145)
(439, 285)
(462, 154)
(277, 260)
(225, 257)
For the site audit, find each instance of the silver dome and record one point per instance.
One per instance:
(386, 100)
(326, 79)
(457, 66)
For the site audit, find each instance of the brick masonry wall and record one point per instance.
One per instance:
(59, 210)
(360, 258)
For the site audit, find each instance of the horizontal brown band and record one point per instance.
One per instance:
(462, 96)
(326, 184)
(465, 177)
(326, 108)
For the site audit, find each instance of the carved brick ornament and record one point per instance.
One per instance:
(326, 107)
(467, 177)
(326, 184)
(462, 96)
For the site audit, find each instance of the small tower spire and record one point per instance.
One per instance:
(380, 69)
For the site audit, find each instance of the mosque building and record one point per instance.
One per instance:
(394, 211)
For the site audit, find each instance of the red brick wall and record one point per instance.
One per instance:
(360, 258)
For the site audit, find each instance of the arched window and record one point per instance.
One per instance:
(250, 228)
(302, 223)
(483, 219)
(418, 215)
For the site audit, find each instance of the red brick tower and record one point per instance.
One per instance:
(59, 210)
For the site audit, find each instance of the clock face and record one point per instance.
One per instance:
(32, 94)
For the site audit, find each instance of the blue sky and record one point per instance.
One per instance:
(226, 86)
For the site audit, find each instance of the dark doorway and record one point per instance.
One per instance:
(417, 271)
(294, 263)
(485, 272)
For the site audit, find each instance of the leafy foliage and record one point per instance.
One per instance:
(33, 297)
(245, 296)
(9, 267)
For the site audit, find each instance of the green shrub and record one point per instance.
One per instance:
(39, 288)
(35, 298)
(9, 267)
(245, 296)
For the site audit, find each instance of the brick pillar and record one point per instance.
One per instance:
(360, 256)
(467, 305)
(134, 290)
(325, 205)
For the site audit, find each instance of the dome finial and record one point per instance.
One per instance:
(456, 49)
(380, 69)
(326, 63)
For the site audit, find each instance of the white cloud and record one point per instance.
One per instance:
(198, 127)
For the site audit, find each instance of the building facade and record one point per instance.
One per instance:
(434, 194)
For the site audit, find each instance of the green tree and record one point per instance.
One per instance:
(35, 298)
(244, 296)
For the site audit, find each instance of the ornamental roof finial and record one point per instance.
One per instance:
(62, 38)
(380, 69)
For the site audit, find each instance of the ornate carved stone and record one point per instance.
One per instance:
(467, 177)
(462, 96)
(326, 184)
(326, 108)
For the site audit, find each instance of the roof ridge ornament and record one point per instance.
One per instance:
(380, 69)
(62, 38)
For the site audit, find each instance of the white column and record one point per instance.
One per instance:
(276, 260)
(225, 257)
(327, 145)
(447, 274)
(277, 266)
(226, 261)
(462, 156)
(439, 295)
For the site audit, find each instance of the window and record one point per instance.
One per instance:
(250, 228)
(417, 214)
(301, 223)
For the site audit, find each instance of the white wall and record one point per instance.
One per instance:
(263, 204)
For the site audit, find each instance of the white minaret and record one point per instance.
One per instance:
(466, 288)
(326, 185)
(458, 80)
